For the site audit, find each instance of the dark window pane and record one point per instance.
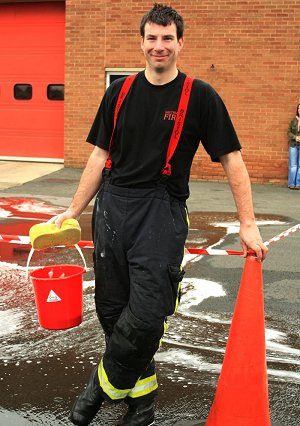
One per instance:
(56, 92)
(23, 91)
(113, 77)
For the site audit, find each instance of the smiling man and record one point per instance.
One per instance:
(145, 135)
(161, 46)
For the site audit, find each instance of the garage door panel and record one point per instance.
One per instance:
(32, 44)
(36, 66)
(39, 142)
(19, 120)
(49, 34)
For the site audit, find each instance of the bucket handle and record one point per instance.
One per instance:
(75, 245)
(81, 255)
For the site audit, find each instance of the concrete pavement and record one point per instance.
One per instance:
(15, 173)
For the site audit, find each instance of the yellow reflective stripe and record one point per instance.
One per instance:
(187, 217)
(178, 292)
(107, 387)
(144, 387)
(165, 330)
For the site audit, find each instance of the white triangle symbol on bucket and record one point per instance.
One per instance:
(52, 297)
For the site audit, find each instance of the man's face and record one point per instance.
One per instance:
(161, 46)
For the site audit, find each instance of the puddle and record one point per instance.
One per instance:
(41, 371)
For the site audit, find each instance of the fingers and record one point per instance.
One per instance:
(260, 250)
(263, 251)
(52, 219)
(58, 219)
(251, 240)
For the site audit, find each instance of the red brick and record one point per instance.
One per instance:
(255, 51)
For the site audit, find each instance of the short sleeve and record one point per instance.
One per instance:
(102, 127)
(218, 134)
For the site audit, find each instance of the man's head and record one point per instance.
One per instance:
(163, 15)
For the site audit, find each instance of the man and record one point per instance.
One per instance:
(140, 220)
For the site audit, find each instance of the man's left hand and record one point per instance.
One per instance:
(251, 240)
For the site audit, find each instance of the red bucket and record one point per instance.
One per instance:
(58, 295)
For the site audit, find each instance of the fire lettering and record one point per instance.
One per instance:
(170, 115)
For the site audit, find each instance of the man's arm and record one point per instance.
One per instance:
(88, 186)
(239, 182)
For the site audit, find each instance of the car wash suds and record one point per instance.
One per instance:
(42, 371)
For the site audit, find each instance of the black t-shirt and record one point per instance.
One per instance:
(144, 126)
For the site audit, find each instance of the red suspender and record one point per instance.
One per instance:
(178, 125)
(122, 95)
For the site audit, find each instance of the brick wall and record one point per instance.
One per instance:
(247, 50)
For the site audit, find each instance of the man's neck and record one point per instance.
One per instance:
(158, 79)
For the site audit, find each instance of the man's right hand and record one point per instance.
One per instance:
(58, 219)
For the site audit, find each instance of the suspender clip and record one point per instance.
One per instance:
(107, 168)
(166, 171)
(108, 163)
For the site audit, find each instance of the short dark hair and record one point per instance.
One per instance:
(164, 15)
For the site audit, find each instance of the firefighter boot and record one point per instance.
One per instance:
(139, 415)
(88, 403)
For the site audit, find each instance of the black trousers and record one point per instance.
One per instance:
(139, 237)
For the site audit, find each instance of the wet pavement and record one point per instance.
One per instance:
(42, 371)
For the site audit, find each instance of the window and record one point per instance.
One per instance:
(23, 92)
(114, 77)
(114, 74)
(56, 92)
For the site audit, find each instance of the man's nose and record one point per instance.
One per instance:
(158, 44)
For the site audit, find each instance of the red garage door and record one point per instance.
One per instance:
(32, 43)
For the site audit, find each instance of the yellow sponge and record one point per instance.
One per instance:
(44, 235)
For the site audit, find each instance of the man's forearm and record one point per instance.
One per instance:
(89, 182)
(88, 186)
(239, 182)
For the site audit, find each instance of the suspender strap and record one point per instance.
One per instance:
(122, 95)
(178, 125)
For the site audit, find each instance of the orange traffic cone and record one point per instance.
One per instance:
(241, 397)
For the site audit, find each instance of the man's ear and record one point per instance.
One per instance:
(181, 43)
